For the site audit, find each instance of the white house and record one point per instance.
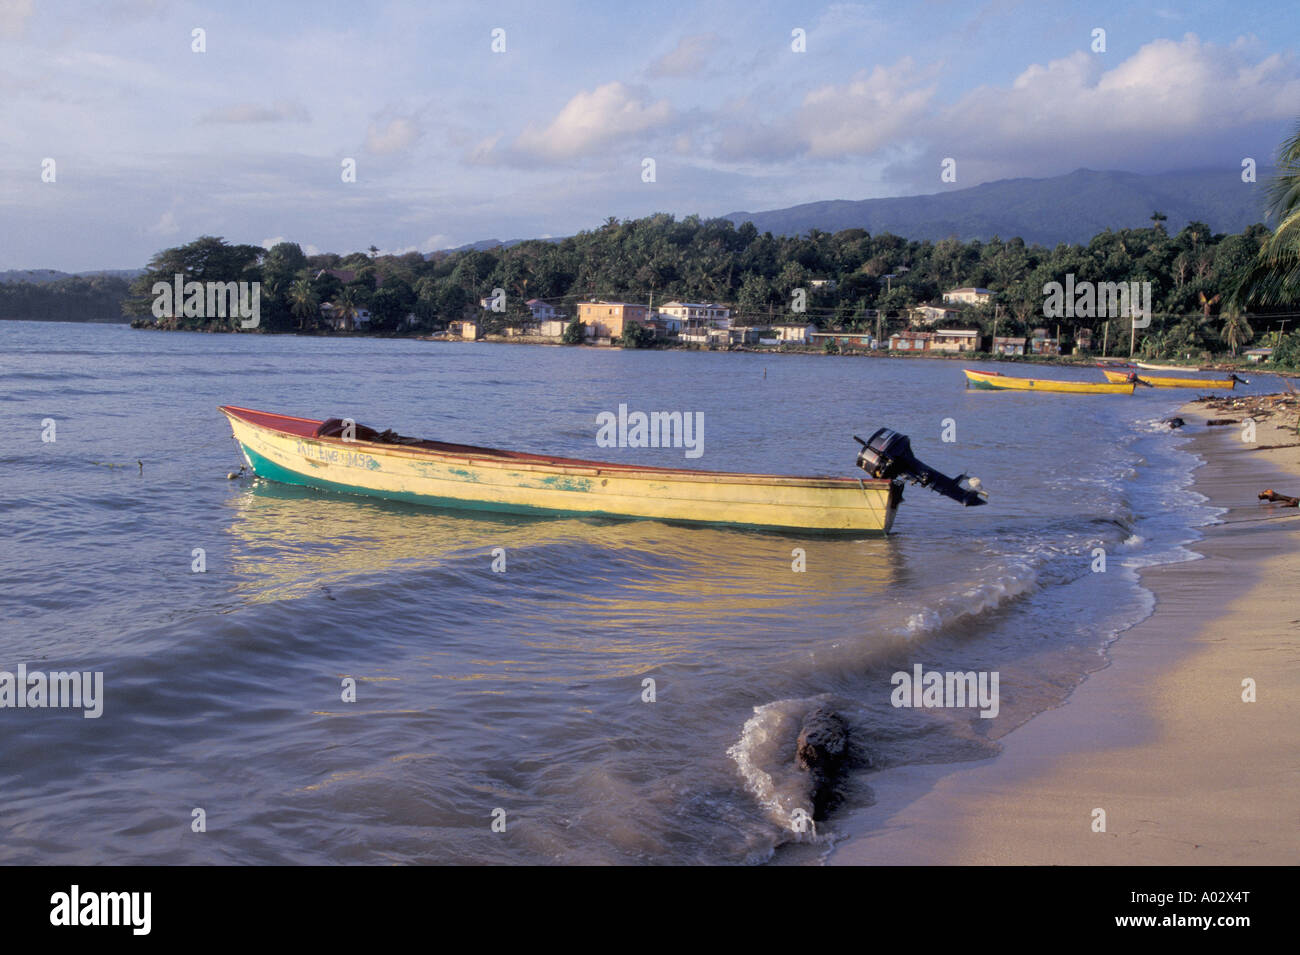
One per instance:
(968, 296)
(330, 315)
(955, 339)
(929, 314)
(542, 311)
(792, 332)
(694, 313)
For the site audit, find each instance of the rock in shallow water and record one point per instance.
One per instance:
(823, 750)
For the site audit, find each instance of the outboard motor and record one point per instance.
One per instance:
(888, 455)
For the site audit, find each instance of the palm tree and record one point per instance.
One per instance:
(1207, 304)
(346, 306)
(303, 301)
(1156, 219)
(1236, 331)
(1274, 278)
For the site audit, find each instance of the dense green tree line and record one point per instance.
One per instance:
(1193, 273)
(77, 298)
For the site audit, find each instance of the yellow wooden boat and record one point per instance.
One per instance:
(998, 382)
(1229, 382)
(301, 451)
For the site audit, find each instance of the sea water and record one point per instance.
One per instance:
(525, 690)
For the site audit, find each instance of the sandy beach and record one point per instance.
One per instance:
(1186, 771)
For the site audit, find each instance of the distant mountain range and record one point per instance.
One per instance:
(482, 245)
(45, 276)
(1070, 208)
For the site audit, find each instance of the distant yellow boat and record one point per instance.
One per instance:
(995, 381)
(1229, 382)
(295, 451)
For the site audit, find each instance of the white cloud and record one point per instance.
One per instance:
(593, 119)
(1169, 95)
(166, 224)
(873, 111)
(1171, 98)
(399, 134)
(869, 112)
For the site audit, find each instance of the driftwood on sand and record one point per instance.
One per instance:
(1283, 499)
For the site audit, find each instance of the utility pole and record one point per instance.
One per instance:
(889, 287)
(1105, 337)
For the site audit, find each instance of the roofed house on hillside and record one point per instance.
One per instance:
(333, 316)
(910, 341)
(608, 319)
(705, 315)
(968, 296)
(542, 311)
(347, 276)
(1040, 344)
(955, 339)
(1258, 354)
(705, 335)
(1008, 346)
(929, 314)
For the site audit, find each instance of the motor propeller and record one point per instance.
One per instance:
(888, 455)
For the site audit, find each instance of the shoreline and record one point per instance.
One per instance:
(1218, 363)
(1159, 737)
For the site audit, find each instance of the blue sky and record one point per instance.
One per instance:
(155, 144)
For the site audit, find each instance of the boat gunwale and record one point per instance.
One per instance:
(1082, 387)
(1167, 381)
(497, 459)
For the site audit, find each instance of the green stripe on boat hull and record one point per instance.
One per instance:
(265, 468)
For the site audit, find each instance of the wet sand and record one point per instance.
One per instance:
(1161, 739)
